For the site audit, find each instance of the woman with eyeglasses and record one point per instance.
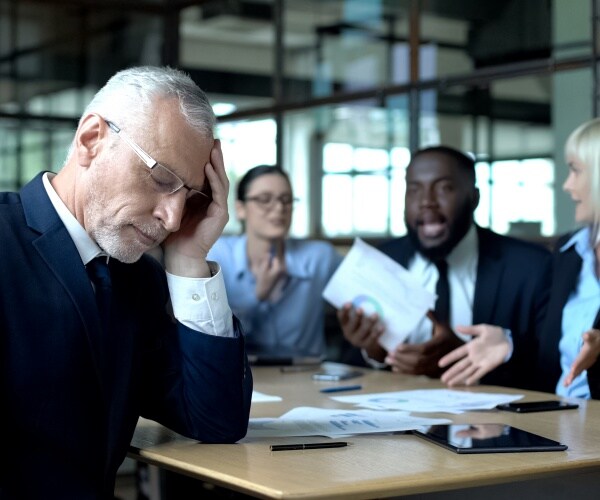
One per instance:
(274, 283)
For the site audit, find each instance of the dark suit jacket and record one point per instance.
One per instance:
(511, 291)
(567, 266)
(66, 427)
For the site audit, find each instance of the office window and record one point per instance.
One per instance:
(521, 197)
(245, 144)
(517, 197)
(363, 190)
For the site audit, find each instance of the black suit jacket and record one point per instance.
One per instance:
(567, 266)
(511, 291)
(66, 428)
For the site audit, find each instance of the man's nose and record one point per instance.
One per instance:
(170, 210)
(428, 197)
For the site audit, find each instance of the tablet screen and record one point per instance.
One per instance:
(487, 438)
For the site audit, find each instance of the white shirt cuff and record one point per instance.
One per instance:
(201, 303)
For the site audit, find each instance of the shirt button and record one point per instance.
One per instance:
(214, 296)
(196, 297)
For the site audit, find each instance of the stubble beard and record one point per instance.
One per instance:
(106, 234)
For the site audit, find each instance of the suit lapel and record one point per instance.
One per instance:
(490, 268)
(57, 249)
(596, 324)
(568, 267)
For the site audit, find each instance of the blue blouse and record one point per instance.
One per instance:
(578, 315)
(295, 319)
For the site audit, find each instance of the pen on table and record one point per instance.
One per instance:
(308, 446)
(342, 388)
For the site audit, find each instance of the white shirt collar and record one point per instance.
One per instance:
(86, 246)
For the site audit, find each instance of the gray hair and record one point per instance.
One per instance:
(584, 144)
(127, 98)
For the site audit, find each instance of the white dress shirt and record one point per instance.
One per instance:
(462, 275)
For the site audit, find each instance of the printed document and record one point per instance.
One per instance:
(430, 400)
(307, 421)
(261, 397)
(371, 280)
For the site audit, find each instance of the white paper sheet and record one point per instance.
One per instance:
(371, 280)
(261, 397)
(307, 421)
(429, 400)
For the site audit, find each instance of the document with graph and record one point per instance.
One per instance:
(371, 280)
(308, 421)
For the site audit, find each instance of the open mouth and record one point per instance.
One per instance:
(432, 226)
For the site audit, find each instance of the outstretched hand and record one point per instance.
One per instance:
(587, 355)
(473, 360)
(422, 359)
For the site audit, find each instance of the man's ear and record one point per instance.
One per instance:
(88, 138)
(476, 198)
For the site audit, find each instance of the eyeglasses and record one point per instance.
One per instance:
(165, 181)
(268, 201)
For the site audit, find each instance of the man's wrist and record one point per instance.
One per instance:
(187, 267)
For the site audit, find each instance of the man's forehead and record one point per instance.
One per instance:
(435, 165)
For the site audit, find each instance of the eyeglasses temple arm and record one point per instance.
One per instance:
(150, 162)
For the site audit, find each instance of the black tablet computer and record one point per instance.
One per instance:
(487, 438)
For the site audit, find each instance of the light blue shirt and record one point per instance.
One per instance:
(578, 315)
(295, 319)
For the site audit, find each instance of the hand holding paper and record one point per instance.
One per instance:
(375, 283)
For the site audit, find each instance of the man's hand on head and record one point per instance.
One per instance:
(203, 222)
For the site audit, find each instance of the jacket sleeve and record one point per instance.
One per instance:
(196, 384)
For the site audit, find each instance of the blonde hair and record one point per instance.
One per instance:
(584, 143)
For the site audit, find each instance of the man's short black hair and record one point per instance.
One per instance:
(462, 160)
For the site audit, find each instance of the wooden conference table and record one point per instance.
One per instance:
(381, 466)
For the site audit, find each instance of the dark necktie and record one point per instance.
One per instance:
(99, 274)
(442, 289)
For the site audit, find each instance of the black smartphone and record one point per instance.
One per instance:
(534, 406)
(335, 375)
